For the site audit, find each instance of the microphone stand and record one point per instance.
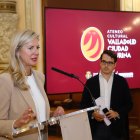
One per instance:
(77, 78)
(93, 99)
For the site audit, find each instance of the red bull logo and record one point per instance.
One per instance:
(92, 44)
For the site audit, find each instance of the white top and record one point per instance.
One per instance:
(105, 89)
(38, 99)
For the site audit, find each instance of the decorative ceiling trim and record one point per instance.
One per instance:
(7, 6)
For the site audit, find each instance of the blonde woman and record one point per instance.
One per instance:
(22, 97)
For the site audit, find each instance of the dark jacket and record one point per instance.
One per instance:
(120, 101)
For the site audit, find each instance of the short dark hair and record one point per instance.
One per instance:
(110, 53)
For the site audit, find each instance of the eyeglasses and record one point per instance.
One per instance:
(107, 62)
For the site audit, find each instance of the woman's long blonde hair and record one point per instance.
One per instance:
(16, 68)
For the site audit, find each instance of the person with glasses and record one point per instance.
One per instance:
(115, 93)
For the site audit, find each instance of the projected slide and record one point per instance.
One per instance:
(75, 40)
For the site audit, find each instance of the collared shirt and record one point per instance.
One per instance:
(38, 99)
(105, 89)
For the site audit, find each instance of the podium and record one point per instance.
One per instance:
(74, 126)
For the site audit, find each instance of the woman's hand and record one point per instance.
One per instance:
(26, 117)
(59, 111)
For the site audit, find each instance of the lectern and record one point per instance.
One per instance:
(74, 126)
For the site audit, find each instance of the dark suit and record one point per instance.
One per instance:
(120, 101)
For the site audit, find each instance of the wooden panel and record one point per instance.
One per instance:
(134, 115)
(113, 5)
(137, 135)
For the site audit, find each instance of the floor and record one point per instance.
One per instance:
(54, 133)
(54, 138)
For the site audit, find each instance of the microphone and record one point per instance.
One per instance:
(65, 73)
(76, 77)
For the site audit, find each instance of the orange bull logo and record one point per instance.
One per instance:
(92, 43)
